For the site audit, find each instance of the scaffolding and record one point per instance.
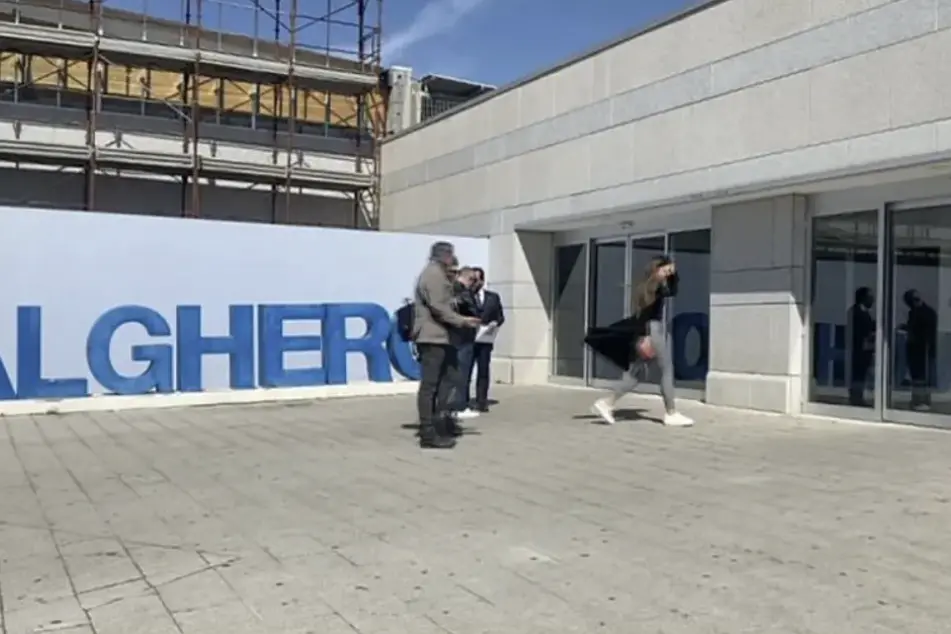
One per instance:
(299, 79)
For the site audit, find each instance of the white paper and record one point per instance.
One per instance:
(486, 333)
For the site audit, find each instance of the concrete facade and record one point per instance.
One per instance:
(771, 103)
(757, 296)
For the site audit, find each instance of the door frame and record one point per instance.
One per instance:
(590, 380)
(629, 239)
(889, 414)
(872, 414)
(884, 200)
(558, 379)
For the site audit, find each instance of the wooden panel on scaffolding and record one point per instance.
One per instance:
(165, 86)
(46, 72)
(10, 68)
(158, 86)
(237, 96)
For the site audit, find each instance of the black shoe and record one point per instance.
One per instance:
(437, 442)
(482, 407)
(449, 426)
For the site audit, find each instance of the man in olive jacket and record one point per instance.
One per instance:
(435, 316)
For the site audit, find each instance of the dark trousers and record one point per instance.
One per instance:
(466, 352)
(919, 368)
(482, 358)
(862, 363)
(439, 372)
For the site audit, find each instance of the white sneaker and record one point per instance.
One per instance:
(677, 420)
(604, 410)
(467, 414)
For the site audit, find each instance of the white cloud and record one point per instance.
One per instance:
(437, 17)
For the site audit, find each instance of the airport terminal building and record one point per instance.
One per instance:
(793, 155)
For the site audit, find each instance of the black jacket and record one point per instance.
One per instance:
(922, 330)
(616, 342)
(467, 306)
(491, 308)
(862, 330)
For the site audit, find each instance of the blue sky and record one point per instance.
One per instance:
(491, 41)
(499, 41)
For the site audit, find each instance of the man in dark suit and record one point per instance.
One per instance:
(490, 307)
(861, 327)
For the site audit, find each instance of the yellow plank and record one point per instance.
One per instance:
(284, 107)
(207, 92)
(9, 67)
(46, 72)
(271, 103)
(121, 81)
(266, 101)
(314, 106)
(165, 86)
(157, 85)
(377, 111)
(237, 97)
(343, 111)
(77, 75)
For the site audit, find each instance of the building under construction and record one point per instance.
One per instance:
(253, 110)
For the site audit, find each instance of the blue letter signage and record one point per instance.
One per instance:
(256, 346)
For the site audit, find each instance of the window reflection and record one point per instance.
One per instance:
(607, 298)
(643, 250)
(920, 301)
(689, 323)
(844, 275)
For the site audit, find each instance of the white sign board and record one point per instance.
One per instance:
(109, 304)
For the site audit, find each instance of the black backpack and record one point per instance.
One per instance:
(406, 321)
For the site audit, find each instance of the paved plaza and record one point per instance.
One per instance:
(325, 518)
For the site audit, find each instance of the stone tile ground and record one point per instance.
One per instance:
(325, 518)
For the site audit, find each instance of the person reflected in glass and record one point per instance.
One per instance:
(861, 329)
(921, 338)
(660, 282)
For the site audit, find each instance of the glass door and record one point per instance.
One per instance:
(918, 328)
(689, 312)
(608, 299)
(844, 314)
(568, 314)
(618, 265)
(643, 250)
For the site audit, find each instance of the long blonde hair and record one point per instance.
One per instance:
(645, 294)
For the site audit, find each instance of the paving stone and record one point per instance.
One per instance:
(326, 518)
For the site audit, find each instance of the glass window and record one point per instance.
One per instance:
(920, 310)
(844, 279)
(607, 298)
(568, 314)
(643, 250)
(690, 310)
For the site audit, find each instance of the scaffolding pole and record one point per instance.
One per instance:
(93, 100)
(291, 109)
(296, 66)
(366, 204)
(191, 89)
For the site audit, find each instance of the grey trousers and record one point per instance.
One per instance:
(662, 358)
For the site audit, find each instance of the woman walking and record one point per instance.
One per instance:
(644, 337)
